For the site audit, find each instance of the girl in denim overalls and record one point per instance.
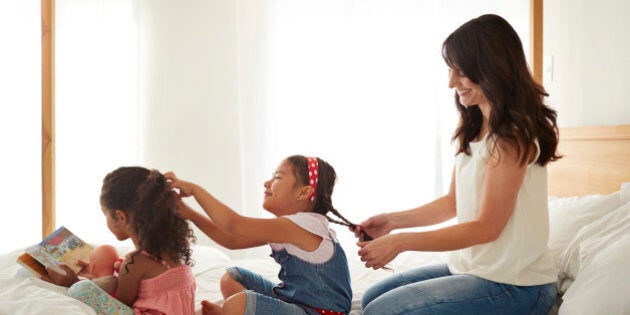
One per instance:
(314, 271)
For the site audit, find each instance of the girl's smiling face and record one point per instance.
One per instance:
(283, 192)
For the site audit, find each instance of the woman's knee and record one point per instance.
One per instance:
(368, 296)
(229, 286)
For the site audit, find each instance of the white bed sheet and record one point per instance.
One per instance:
(22, 293)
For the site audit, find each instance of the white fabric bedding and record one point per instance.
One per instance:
(21, 293)
(588, 237)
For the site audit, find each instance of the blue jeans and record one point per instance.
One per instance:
(435, 290)
(260, 296)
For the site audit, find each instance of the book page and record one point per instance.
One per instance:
(62, 246)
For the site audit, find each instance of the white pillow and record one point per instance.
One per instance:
(590, 241)
(568, 215)
(602, 284)
(204, 257)
(207, 257)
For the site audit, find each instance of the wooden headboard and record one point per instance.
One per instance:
(596, 161)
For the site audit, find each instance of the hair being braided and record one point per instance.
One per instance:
(327, 178)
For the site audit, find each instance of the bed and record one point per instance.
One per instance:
(589, 210)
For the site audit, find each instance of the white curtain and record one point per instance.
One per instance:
(20, 123)
(96, 107)
(222, 91)
(361, 84)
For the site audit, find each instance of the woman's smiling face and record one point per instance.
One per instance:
(469, 92)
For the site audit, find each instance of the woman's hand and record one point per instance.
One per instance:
(57, 278)
(379, 252)
(375, 226)
(185, 188)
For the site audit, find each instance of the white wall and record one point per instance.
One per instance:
(590, 47)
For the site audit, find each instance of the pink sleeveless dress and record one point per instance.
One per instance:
(172, 292)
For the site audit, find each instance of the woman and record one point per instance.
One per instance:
(506, 136)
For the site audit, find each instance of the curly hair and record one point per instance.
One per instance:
(489, 53)
(145, 196)
(326, 179)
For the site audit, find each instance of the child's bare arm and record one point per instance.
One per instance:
(275, 230)
(129, 279)
(221, 215)
(214, 232)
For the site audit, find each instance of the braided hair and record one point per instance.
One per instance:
(145, 196)
(323, 194)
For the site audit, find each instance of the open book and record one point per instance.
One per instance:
(62, 246)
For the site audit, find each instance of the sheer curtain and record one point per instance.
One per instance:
(359, 83)
(222, 91)
(20, 123)
(96, 107)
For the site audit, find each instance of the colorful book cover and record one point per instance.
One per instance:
(62, 246)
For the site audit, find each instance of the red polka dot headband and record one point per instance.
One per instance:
(312, 175)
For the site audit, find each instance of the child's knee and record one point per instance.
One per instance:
(235, 304)
(227, 280)
(229, 286)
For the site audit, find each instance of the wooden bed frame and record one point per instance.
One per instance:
(596, 161)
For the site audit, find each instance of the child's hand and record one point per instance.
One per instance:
(66, 280)
(85, 269)
(184, 210)
(185, 188)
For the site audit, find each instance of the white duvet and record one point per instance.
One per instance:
(21, 293)
(589, 241)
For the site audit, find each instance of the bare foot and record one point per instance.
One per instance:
(209, 308)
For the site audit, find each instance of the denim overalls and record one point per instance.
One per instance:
(325, 286)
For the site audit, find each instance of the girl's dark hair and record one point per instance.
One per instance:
(145, 196)
(489, 52)
(326, 179)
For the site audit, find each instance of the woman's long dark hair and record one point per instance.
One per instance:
(489, 52)
(145, 196)
(327, 177)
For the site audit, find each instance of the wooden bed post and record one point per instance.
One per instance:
(536, 31)
(48, 116)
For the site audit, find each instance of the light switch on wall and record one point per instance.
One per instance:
(548, 69)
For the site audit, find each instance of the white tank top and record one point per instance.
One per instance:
(520, 255)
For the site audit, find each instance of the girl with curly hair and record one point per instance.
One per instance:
(155, 277)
